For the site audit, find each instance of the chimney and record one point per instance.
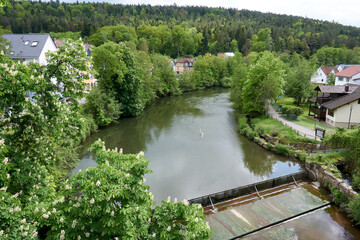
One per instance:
(346, 88)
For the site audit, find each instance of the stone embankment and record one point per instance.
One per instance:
(319, 173)
(316, 172)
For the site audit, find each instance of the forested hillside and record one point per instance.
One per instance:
(205, 29)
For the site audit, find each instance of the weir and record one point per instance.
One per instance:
(249, 189)
(249, 209)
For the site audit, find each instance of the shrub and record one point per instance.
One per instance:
(275, 133)
(282, 149)
(260, 130)
(356, 181)
(339, 197)
(269, 146)
(297, 111)
(225, 82)
(250, 134)
(354, 207)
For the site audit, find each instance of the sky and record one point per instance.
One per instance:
(346, 12)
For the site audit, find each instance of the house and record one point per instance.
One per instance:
(226, 54)
(321, 75)
(29, 47)
(342, 67)
(184, 64)
(349, 75)
(324, 94)
(344, 111)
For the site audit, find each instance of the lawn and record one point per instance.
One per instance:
(304, 119)
(276, 128)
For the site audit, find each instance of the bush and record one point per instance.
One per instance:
(250, 134)
(339, 197)
(282, 149)
(260, 130)
(103, 107)
(297, 111)
(242, 123)
(274, 133)
(354, 207)
(225, 82)
(356, 181)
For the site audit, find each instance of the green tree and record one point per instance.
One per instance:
(117, 73)
(264, 81)
(262, 41)
(103, 107)
(331, 79)
(40, 118)
(112, 200)
(298, 84)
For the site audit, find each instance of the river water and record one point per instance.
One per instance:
(185, 163)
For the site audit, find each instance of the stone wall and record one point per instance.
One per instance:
(318, 173)
(299, 145)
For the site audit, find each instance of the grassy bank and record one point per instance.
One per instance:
(304, 119)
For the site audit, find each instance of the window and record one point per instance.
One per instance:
(330, 112)
(11, 53)
(34, 43)
(26, 42)
(359, 101)
(340, 78)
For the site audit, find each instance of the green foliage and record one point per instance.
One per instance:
(262, 41)
(74, 36)
(330, 56)
(282, 149)
(298, 83)
(275, 128)
(356, 181)
(179, 220)
(350, 140)
(117, 74)
(354, 206)
(180, 30)
(264, 81)
(339, 197)
(37, 134)
(102, 107)
(331, 79)
(112, 200)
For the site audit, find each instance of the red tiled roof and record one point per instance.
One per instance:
(327, 70)
(58, 43)
(349, 72)
(186, 59)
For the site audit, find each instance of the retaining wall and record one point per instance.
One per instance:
(327, 180)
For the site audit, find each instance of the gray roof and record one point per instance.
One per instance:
(340, 101)
(345, 66)
(23, 45)
(336, 89)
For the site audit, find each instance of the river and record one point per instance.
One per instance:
(185, 163)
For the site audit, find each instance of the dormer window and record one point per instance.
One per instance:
(26, 42)
(34, 43)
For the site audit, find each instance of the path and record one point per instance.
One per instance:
(304, 131)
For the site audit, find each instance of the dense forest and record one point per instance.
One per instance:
(203, 29)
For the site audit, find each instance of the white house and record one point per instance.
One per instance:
(344, 110)
(29, 47)
(321, 75)
(349, 75)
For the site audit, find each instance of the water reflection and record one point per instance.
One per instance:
(184, 163)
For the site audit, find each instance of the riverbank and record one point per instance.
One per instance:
(316, 157)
